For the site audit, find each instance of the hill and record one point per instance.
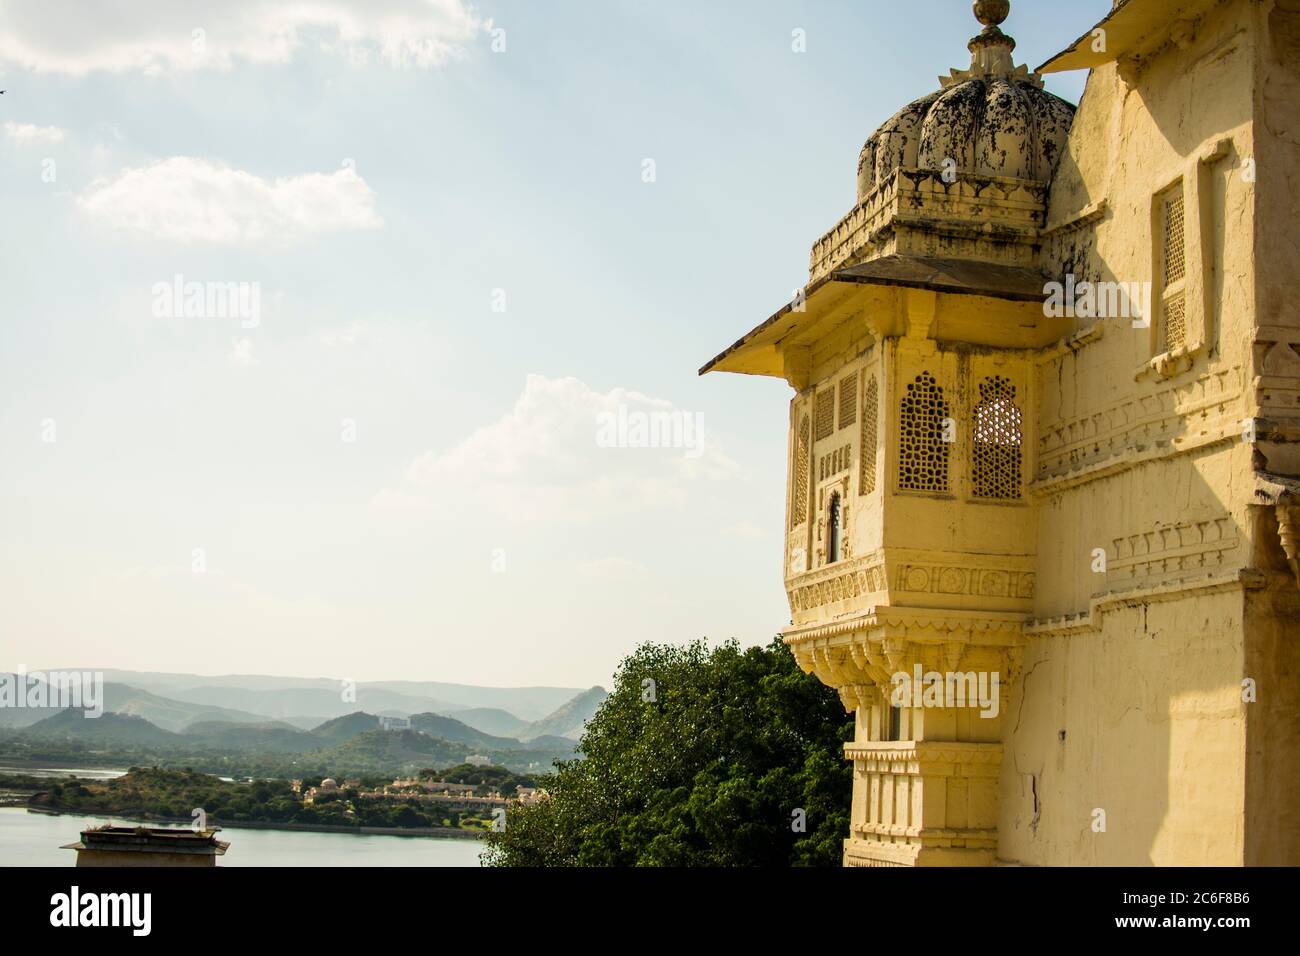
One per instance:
(345, 728)
(568, 720)
(173, 715)
(448, 728)
(164, 712)
(491, 720)
(106, 730)
(268, 737)
(562, 745)
(377, 751)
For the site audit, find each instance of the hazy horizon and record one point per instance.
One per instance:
(297, 677)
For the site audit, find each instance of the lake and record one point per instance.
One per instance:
(33, 839)
(82, 772)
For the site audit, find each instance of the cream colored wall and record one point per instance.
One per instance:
(1273, 612)
(1150, 466)
(1272, 835)
(1143, 721)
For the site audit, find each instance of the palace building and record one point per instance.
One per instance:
(1046, 435)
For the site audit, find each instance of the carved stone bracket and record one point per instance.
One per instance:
(1288, 526)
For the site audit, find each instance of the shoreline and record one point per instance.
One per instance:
(444, 833)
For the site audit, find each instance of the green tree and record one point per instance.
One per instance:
(699, 757)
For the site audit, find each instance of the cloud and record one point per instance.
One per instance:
(342, 337)
(192, 200)
(27, 134)
(160, 36)
(548, 458)
(613, 569)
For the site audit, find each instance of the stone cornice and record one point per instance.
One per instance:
(922, 624)
(1094, 212)
(1089, 622)
(1137, 430)
(972, 206)
(836, 582)
(1010, 583)
(1093, 333)
(929, 836)
(925, 752)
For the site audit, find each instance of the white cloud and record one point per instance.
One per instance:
(193, 200)
(160, 36)
(745, 530)
(613, 569)
(543, 460)
(27, 134)
(342, 337)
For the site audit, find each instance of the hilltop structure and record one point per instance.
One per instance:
(1045, 449)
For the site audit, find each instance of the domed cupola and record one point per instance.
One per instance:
(963, 173)
(991, 120)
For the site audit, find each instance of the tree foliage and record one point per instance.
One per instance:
(699, 757)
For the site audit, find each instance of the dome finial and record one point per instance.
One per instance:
(991, 50)
(992, 13)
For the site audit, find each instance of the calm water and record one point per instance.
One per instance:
(33, 839)
(82, 772)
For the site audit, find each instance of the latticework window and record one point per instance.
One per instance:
(870, 413)
(834, 531)
(1174, 324)
(799, 506)
(1173, 264)
(848, 399)
(1175, 240)
(996, 442)
(832, 464)
(922, 452)
(825, 413)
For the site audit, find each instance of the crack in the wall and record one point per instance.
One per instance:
(1024, 687)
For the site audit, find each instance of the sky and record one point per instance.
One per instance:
(466, 240)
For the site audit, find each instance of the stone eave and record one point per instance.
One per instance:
(758, 352)
(755, 352)
(951, 276)
(1133, 28)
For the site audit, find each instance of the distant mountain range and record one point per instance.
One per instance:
(289, 697)
(121, 729)
(356, 743)
(271, 706)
